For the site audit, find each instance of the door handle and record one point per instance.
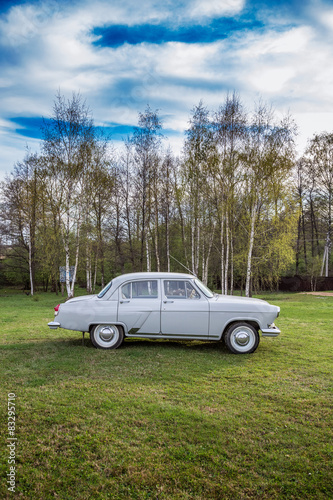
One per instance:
(168, 301)
(124, 301)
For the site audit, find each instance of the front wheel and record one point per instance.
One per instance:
(241, 338)
(106, 336)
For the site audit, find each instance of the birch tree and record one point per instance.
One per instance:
(198, 169)
(167, 182)
(21, 210)
(67, 136)
(230, 132)
(147, 140)
(320, 156)
(301, 184)
(98, 202)
(125, 186)
(269, 158)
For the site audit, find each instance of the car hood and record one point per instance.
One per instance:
(238, 300)
(244, 304)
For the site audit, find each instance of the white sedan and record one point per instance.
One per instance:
(169, 306)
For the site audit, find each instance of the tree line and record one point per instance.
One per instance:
(237, 207)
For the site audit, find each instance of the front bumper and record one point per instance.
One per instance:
(53, 325)
(272, 331)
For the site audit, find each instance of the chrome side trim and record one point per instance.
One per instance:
(167, 336)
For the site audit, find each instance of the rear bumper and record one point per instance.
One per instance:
(272, 331)
(53, 325)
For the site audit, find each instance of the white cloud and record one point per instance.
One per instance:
(292, 41)
(311, 123)
(13, 149)
(288, 42)
(212, 8)
(186, 61)
(292, 65)
(24, 22)
(325, 17)
(270, 80)
(53, 49)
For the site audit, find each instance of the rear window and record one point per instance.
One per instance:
(146, 289)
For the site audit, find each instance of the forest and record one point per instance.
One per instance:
(238, 207)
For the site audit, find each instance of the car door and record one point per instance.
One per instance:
(184, 310)
(139, 306)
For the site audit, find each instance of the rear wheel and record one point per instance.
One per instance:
(106, 336)
(241, 338)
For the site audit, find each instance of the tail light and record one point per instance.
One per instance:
(56, 309)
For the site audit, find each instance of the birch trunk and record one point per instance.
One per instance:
(32, 235)
(102, 264)
(167, 241)
(227, 255)
(203, 261)
(88, 269)
(323, 263)
(76, 258)
(231, 265)
(68, 285)
(30, 267)
(158, 265)
(197, 250)
(205, 274)
(66, 244)
(148, 255)
(192, 245)
(95, 273)
(249, 257)
(222, 255)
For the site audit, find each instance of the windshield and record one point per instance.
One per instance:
(105, 289)
(205, 290)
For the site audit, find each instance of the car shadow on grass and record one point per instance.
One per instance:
(129, 345)
(137, 343)
(193, 345)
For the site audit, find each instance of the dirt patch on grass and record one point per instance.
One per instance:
(325, 294)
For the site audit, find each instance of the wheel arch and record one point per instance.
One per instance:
(116, 323)
(251, 322)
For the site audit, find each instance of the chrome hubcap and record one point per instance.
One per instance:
(106, 333)
(242, 338)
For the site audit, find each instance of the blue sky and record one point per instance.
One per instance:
(123, 55)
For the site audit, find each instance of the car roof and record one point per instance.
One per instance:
(150, 276)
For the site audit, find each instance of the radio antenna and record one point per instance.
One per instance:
(187, 269)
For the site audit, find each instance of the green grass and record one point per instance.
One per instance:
(166, 420)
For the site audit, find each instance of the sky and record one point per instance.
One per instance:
(122, 55)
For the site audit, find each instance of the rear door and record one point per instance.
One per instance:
(139, 306)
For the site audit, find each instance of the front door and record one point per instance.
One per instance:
(184, 311)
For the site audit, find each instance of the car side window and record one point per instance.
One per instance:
(140, 290)
(180, 290)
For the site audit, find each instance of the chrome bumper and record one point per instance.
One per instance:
(272, 331)
(53, 325)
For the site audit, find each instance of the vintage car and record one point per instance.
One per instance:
(167, 306)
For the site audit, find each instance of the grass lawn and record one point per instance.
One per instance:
(166, 420)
